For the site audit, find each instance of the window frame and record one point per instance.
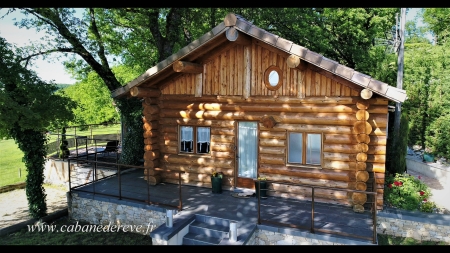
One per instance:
(304, 145)
(195, 142)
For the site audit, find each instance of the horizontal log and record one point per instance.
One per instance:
(355, 186)
(338, 175)
(144, 92)
(362, 176)
(343, 202)
(221, 154)
(330, 129)
(150, 172)
(168, 129)
(222, 131)
(346, 148)
(151, 155)
(360, 166)
(152, 125)
(169, 150)
(272, 150)
(187, 67)
(338, 165)
(196, 122)
(363, 104)
(359, 198)
(171, 143)
(378, 120)
(307, 191)
(378, 140)
(150, 134)
(272, 135)
(340, 138)
(362, 127)
(269, 107)
(150, 117)
(293, 61)
(363, 138)
(222, 138)
(199, 160)
(170, 136)
(306, 181)
(272, 159)
(376, 158)
(376, 167)
(151, 109)
(171, 167)
(150, 101)
(362, 115)
(150, 164)
(366, 93)
(151, 147)
(223, 147)
(149, 141)
(345, 157)
(376, 150)
(271, 100)
(272, 143)
(342, 119)
(361, 157)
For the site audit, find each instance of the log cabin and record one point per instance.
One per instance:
(248, 103)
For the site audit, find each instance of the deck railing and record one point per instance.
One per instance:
(111, 169)
(312, 228)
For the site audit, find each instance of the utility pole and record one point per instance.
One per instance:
(398, 105)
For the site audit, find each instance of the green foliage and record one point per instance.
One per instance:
(438, 137)
(407, 192)
(438, 20)
(28, 107)
(133, 140)
(397, 146)
(94, 103)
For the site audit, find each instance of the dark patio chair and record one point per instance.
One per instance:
(111, 147)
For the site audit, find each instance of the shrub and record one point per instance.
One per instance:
(407, 192)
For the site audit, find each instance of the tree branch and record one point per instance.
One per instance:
(59, 49)
(94, 29)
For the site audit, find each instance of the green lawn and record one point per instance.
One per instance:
(10, 162)
(11, 156)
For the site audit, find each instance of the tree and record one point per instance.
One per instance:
(141, 37)
(28, 107)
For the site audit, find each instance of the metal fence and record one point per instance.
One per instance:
(312, 227)
(12, 176)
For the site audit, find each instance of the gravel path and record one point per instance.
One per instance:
(14, 205)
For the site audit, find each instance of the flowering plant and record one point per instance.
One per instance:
(217, 174)
(407, 192)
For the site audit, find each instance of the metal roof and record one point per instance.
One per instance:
(241, 24)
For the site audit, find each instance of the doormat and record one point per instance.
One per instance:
(243, 195)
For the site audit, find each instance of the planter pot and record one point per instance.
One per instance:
(216, 183)
(263, 189)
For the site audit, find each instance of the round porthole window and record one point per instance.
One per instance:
(273, 78)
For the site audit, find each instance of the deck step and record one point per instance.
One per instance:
(206, 230)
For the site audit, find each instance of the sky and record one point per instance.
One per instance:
(54, 70)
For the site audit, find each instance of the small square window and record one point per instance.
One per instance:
(196, 140)
(304, 148)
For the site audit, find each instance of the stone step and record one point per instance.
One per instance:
(206, 230)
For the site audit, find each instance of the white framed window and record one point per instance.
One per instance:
(194, 139)
(304, 148)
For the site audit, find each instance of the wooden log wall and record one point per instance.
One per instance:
(151, 147)
(350, 149)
